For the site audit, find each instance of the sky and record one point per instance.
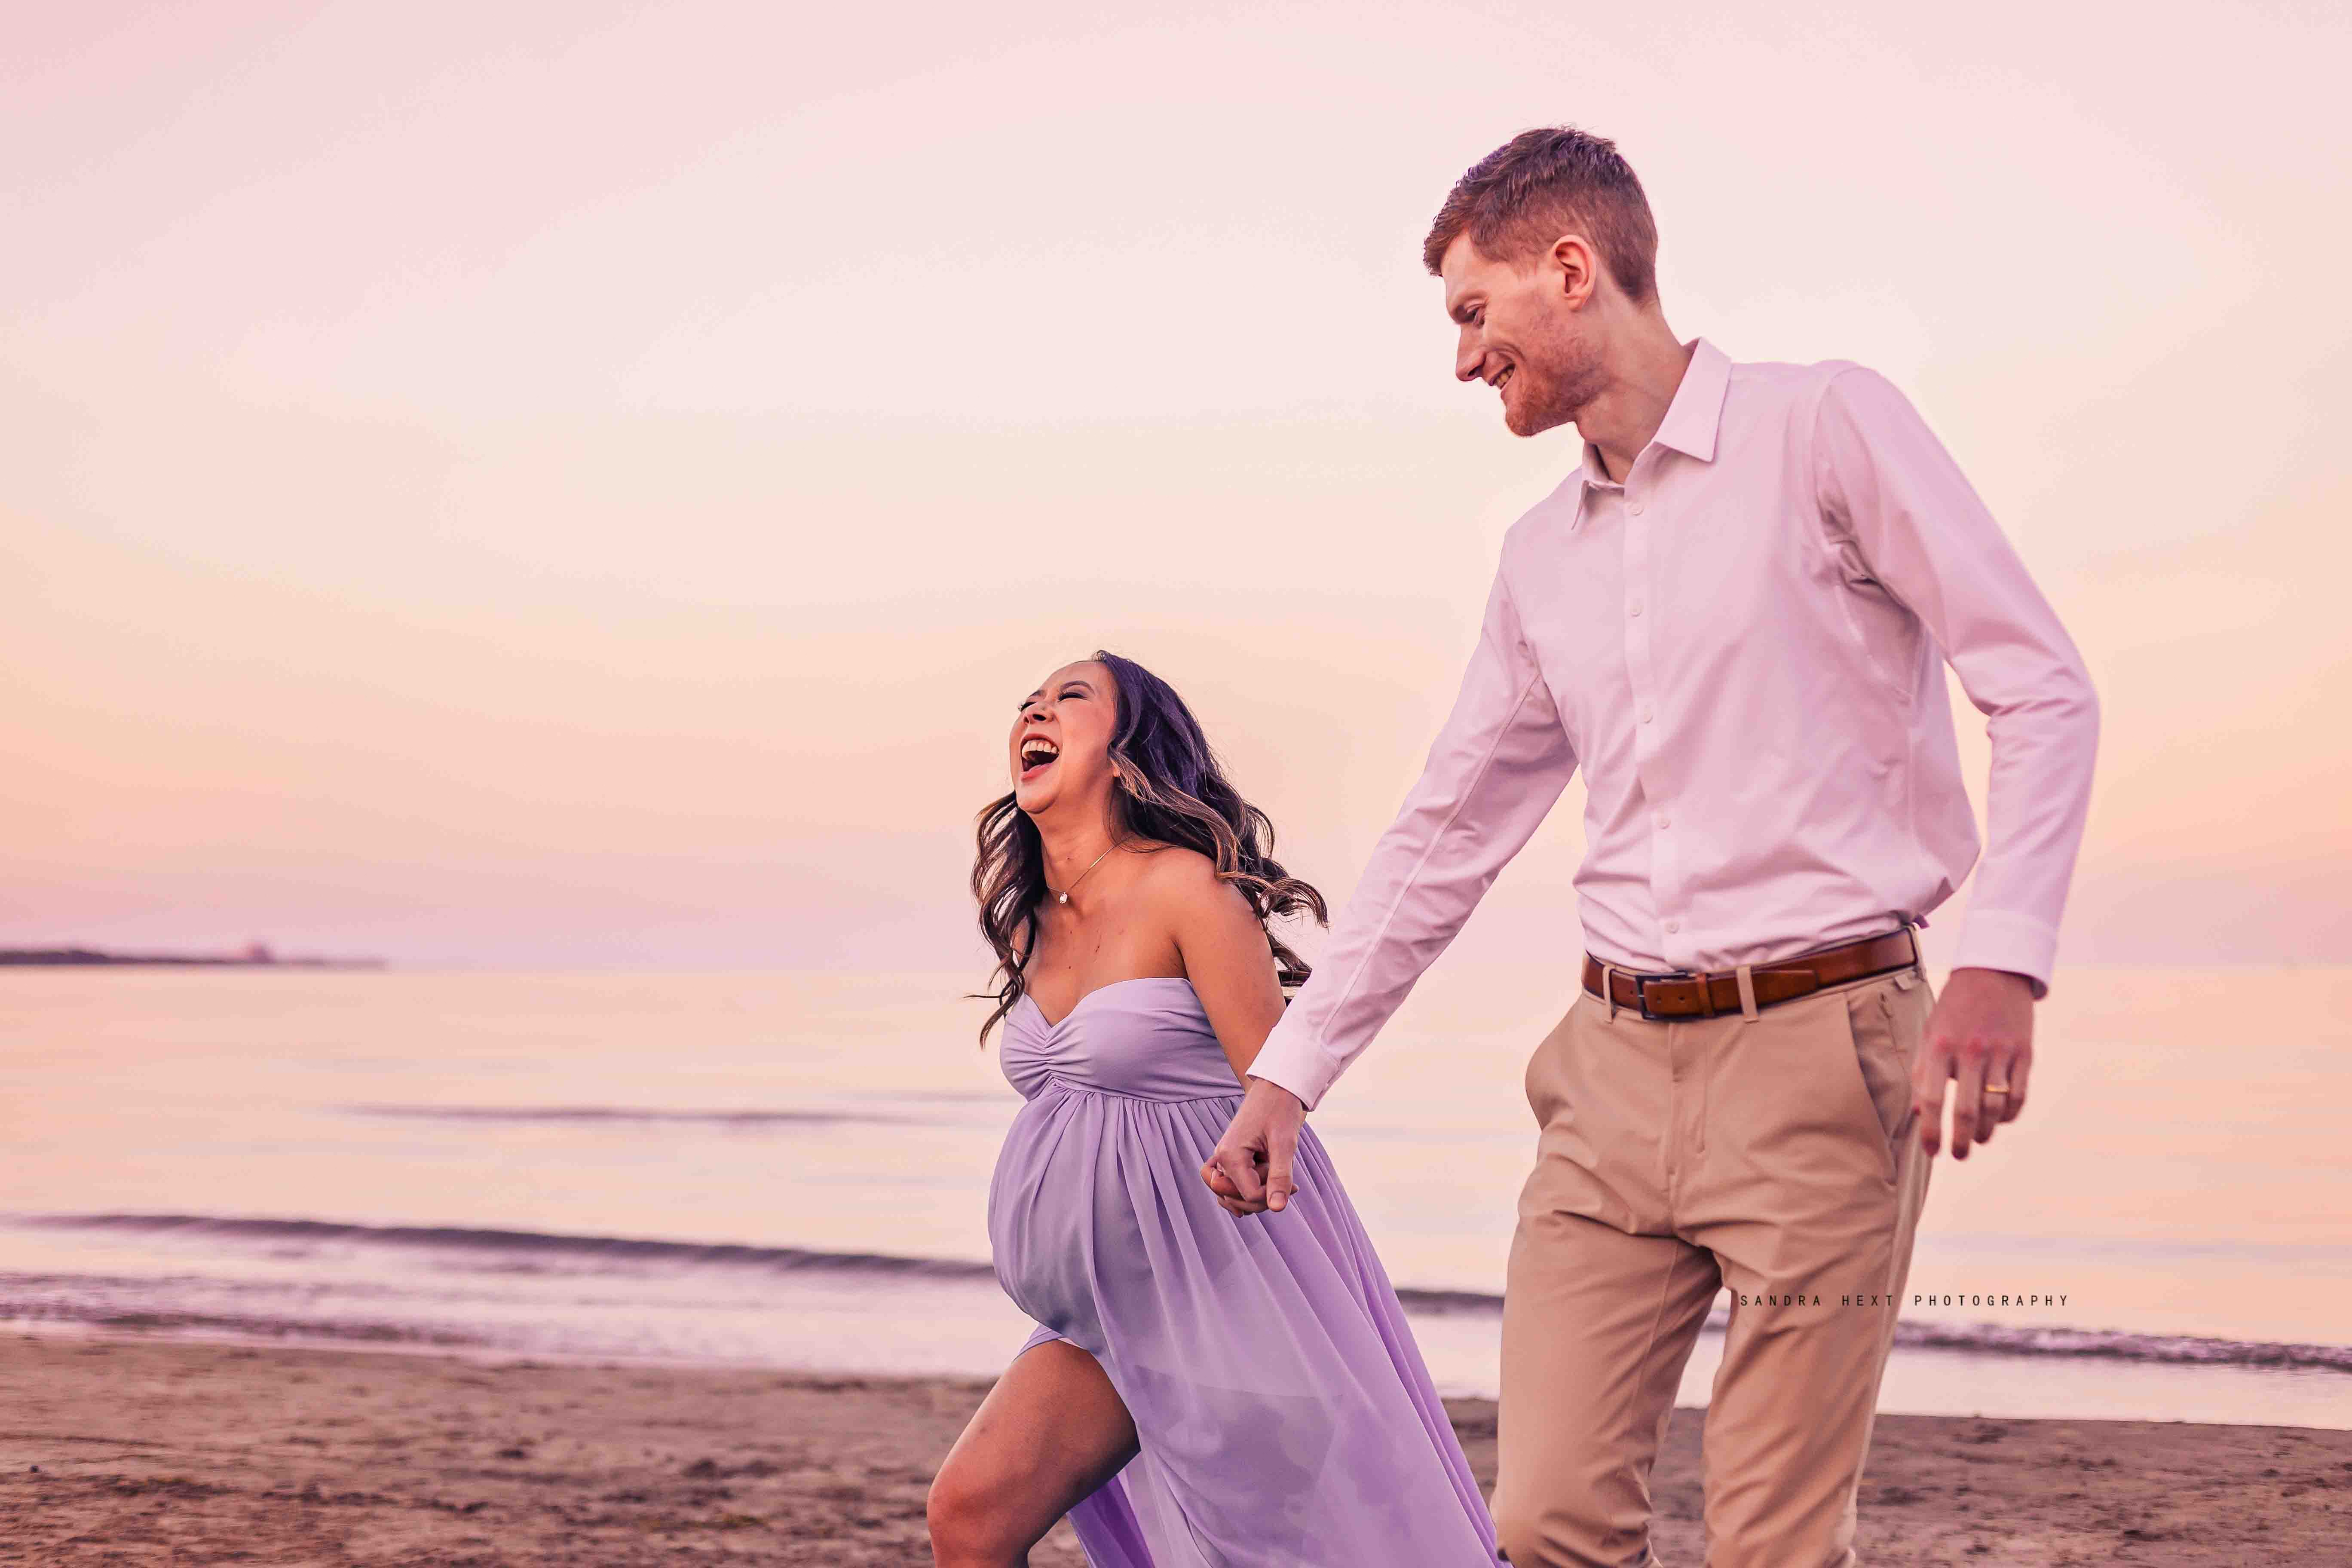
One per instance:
(588, 485)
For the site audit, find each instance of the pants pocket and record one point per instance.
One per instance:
(1546, 1079)
(1884, 1050)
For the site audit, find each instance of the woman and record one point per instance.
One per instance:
(1204, 1389)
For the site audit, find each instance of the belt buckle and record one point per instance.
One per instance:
(1642, 993)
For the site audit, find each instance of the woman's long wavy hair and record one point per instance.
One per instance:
(1168, 787)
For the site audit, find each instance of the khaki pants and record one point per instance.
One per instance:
(1775, 1155)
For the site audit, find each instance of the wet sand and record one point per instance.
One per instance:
(133, 1451)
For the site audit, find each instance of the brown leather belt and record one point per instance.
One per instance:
(1709, 996)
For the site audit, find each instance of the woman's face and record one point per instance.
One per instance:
(1060, 745)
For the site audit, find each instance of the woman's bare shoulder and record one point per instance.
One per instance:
(1171, 869)
(1182, 887)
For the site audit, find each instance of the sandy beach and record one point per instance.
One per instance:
(130, 1451)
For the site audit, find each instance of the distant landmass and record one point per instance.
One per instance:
(255, 956)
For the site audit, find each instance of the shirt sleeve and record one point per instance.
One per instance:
(1494, 773)
(1884, 479)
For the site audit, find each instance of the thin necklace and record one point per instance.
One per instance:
(1063, 895)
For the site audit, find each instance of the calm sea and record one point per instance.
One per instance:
(791, 1170)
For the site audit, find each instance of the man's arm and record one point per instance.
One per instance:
(1495, 771)
(1886, 484)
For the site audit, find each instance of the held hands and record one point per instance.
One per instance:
(1980, 1039)
(1250, 1171)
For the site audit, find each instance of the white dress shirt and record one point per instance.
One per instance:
(1743, 645)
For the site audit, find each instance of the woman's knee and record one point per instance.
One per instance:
(968, 1520)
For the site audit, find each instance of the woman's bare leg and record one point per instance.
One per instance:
(1052, 1430)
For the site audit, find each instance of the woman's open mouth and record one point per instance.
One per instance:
(1037, 754)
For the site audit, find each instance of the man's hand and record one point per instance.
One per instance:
(1980, 1033)
(1250, 1171)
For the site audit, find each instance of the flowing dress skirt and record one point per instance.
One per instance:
(1284, 1413)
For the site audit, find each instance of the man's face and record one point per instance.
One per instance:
(1524, 331)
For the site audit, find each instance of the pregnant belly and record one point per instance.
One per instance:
(1061, 1219)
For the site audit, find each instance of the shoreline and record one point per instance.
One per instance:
(1978, 1336)
(127, 1447)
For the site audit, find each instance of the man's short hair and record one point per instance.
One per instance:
(1540, 184)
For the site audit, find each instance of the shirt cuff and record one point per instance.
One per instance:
(1294, 1059)
(1995, 939)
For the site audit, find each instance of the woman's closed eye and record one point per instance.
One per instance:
(1029, 702)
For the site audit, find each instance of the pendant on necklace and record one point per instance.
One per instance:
(1061, 898)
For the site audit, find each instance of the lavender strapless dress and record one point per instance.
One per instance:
(1284, 1416)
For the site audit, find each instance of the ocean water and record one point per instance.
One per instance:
(791, 1170)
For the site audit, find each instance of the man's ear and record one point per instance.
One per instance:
(1573, 258)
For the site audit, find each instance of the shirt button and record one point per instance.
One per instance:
(1646, 714)
(1635, 506)
(1674, 926)
(1637, 607)
(1663, 820)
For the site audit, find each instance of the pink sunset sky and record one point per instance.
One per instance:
(587, 484)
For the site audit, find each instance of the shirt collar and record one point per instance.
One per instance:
(1697, 412)
(1693, 419)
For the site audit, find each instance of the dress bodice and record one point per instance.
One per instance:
(1147, 1037)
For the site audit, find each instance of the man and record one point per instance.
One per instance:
(1735, 616)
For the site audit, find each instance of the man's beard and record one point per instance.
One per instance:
(1571, 378)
